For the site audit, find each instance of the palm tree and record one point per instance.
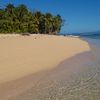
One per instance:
(10, 17)
(37, 19)
(9, 9)
(57, 24)
(20, 19)
(48, 23)
(22, 13)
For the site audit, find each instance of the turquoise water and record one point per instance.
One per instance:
(93, 40)
(92, 36)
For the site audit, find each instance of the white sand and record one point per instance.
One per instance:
(24, 55)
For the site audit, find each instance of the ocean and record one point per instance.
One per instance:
(92, 39)
(94, 42)
(92, 36)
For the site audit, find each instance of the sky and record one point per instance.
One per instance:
(79, 15)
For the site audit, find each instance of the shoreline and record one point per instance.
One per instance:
(37, 51)
(62, 76)
(16, 88)
(43, 79)
(70, 79)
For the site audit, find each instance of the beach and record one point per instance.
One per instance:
(48, 67)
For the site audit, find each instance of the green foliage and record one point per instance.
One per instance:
(20, 20)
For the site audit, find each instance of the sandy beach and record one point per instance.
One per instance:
(21, 56)
(47, 67)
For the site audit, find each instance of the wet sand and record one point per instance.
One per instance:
(76, 78)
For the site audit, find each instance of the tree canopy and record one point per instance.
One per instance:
(21, 20)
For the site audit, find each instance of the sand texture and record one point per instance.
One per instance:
(23, 55)
(43, 67)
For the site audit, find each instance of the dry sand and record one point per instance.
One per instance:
(24, 55)
(43, 67)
